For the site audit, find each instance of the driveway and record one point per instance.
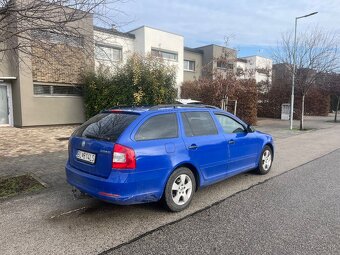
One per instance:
(52, 222)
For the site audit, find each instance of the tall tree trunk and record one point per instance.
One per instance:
(302, 112)
(337, 109)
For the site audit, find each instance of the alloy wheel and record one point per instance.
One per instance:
(181, 189)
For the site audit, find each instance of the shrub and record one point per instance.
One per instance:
(140, 81)
(317, 101)
(212, 91)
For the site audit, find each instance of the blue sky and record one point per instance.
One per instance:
(254, 26)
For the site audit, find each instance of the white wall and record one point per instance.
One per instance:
(254, 63)
(109, 39)
(148, 38)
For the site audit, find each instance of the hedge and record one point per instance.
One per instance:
(140, 81)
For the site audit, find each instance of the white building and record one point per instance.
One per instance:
(113, 47)
(256, 67)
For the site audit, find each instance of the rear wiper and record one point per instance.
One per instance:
(98, 137)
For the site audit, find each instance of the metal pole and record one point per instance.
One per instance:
(293, 80)
(294, 63)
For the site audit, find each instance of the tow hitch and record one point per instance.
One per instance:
(77, 194)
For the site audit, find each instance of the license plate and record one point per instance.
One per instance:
(86, 156)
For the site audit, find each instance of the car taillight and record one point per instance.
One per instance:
(123, 157)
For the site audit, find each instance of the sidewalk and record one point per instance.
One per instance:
(53, 223)
(42, 151)
(16, 142)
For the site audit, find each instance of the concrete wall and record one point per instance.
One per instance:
(32, 110)
(198, 58)
(211, 54)
(126, 44)
(260, 68)
(149, 38)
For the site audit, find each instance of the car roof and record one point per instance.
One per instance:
(170, 108)
(141, 109)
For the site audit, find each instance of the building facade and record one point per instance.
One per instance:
(38, 90)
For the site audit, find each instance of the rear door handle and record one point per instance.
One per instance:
(193, 147)
(231, 141)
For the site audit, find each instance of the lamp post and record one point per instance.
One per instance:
(293, 78)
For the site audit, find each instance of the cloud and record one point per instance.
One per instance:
(251, 23)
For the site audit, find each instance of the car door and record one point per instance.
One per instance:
(243, 146)
(157, 143)
(207, 148)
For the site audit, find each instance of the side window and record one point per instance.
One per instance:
(229, 125)
(158, 127)
(198, 124)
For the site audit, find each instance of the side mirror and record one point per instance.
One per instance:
(250, 129)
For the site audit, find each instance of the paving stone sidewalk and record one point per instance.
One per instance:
(16, 142)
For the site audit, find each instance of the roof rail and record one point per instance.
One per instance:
(174, 106)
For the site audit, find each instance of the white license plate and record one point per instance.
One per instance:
(86, 156)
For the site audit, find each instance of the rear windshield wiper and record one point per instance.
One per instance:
(98, 137)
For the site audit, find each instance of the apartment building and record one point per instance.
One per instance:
(256, 67)
(36, 90)
(113, 47)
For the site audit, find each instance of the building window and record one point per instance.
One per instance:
(189, 65)
(108, 53)
(224, 65)
(59, 38)
(56, 90)
(164, 54)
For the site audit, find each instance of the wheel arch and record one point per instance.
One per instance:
(271, 147)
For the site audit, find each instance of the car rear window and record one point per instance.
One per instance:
(106, 126)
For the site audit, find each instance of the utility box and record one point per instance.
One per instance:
(285, 112)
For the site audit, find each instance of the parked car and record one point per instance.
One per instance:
(138, 155)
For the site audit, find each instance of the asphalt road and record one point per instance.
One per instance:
(52, 222)
(297, 212)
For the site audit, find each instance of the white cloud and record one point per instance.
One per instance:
(257, 22)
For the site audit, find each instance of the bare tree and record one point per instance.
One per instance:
(34, 27)
(316, 53)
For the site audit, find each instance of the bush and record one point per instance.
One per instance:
(212, 91)
(141, 81)
(317, 101)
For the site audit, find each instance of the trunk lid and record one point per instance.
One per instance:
(102, 151)
(91, 144)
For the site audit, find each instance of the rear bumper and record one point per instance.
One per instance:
(120, 187)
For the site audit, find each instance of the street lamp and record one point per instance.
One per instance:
(293, 78)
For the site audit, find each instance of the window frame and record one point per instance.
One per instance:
(158, 53)
(59, 38)
(188, 69)
(51, 90)
(110, 47)
(147, 118)
(200, 111)
(225, 115)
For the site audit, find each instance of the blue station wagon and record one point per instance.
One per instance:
(133, 155)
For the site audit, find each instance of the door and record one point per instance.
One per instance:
(4, 105)
(243, 146)
(207, 147)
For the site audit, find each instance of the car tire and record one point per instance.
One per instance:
(179, 189)
(265, 161)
